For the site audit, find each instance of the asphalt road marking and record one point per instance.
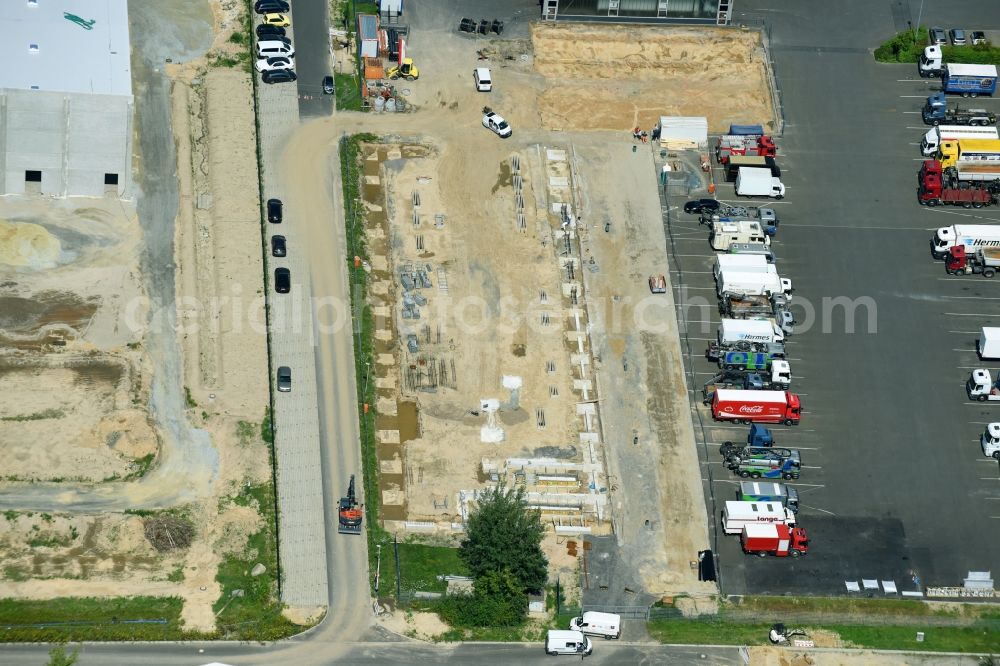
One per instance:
(945, 211)
(970, 314)
(989, 478)
(911, 112)
(988, 298)
(816, 508)
(974, 332)
(913, 96)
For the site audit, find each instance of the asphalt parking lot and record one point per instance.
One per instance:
(894, 485)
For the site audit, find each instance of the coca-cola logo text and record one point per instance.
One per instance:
(751, 409)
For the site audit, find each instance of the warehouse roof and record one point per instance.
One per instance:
(67, 46)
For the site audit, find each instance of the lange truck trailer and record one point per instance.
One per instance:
(936, 112)
(757, 161)
(763, 539)
(972, 236)
(753, 182)
(737, 514)
(743, 263)
(969, 80)
(936, 187)
(969, 152)
(766, 284)
(745, 406)
(768, 491)
(726, 232)
(985, 261)
(734, 331)
(935, 136)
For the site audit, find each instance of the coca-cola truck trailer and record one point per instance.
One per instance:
(746, 406)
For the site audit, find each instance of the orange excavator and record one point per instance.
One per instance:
(351, 514)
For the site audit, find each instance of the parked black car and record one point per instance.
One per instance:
(269, 31)
(282, 280)
(274, 209)
(271, 6)
(278, 247)
(278, 76)
(327, 85)
(701, 206)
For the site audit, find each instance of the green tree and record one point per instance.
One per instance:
(58, 656)
(504, 534)
(497, 601)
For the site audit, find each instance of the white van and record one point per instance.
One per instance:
(567, 642)
(484, 82)
(273, 49)
(608, 625)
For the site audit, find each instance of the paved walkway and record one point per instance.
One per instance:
(301, 523)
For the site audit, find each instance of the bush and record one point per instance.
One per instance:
(497, 601)
(904, 47)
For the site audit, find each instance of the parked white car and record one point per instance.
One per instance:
(269, 64)
(497, 124)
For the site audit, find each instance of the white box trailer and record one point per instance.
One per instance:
(989, 343)
(753, 284)
(738, 514)
(741, 263)
(757, 182)
(726, 233)
(972, 236)
(935, 135)
(733, 331)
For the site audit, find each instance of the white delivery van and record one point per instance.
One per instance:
(734, 331)
(484, 82)
(989, 343)
(567, 642)
(741, 263)
(608, 625)
(757, 182)
(935, 135)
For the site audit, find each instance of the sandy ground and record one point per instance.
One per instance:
(619, 77)
(775, 656)
(75, 362)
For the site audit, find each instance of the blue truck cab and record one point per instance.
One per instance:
(969, 80)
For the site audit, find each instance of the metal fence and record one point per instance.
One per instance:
(774, 85)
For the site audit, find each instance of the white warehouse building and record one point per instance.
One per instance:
(66, 99)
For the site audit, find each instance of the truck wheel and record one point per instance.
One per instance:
(794, 553)
(988, 273)
(933, 202)
(977, 204)
(983, 123)
(981, 398)
(973, 94)
(745, 474)
(761, 554)
(754, 475)
(787, 476)
(996, 455)
(936, 122)
(965, 94)
(780, 197)
(966, 204)
(789, 422)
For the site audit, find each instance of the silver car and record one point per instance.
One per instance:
(958, 37)
(284, 379)
(937, 36)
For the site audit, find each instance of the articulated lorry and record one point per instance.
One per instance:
(779, 378)
(749, 361)
(764, 463)
(763, 539)
(936, 112)
(972, 236)
(988, 344)
(969, 152)
(748, 331)
(935, 136)
(969, 80)
(768, 491)
(745, 406)
(990, 441)
(755, 182)
(937, 186)
(985, 261)
(980, 386)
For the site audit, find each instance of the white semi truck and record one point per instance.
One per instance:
(766, 284)
(972, 236)
(734, 331)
